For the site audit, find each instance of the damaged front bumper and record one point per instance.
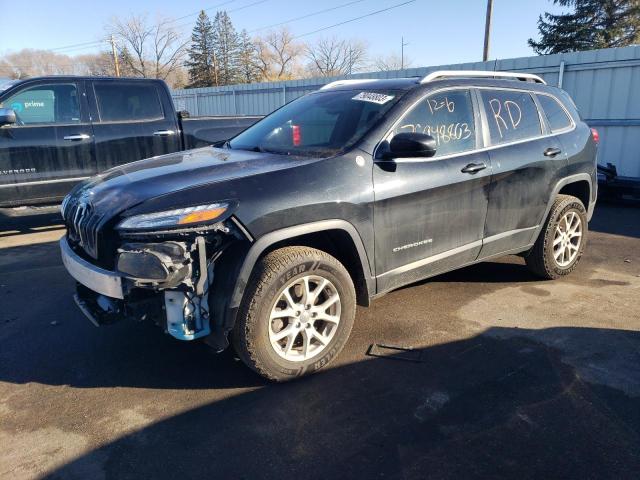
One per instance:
(165, 281)
(97, 279)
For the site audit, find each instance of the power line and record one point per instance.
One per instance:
(348, 21)
(305, 16)
(230, 11)
(95, 42)
(370, 14)
(202, 10)
(356, 18)
(247, 6)
(76, 46)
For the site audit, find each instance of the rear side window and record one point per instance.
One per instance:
(45, 104)
(556, 115)
(447, 117)
(118, 102)
(511, 115)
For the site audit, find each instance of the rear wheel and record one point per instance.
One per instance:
(297, 313)
(561, 243)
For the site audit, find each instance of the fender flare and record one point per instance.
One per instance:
(578, 177)
(276, 236)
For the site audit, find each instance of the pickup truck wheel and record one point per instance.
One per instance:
(561, 242)
(296, 314)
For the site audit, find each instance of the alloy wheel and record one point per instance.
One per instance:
(304, 318)
(567, 239)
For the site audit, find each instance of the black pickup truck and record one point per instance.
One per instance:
(334, 199)
(56, 131)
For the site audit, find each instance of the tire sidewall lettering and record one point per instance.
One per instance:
(310, 267)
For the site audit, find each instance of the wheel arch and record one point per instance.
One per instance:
(337, 237)
(581, 189)
(571, 183)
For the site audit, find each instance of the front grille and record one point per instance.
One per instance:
(82, 224)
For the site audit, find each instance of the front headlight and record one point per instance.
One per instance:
(175, 218)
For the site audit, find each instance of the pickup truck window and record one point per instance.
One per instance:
(118, 102)
(45, 104)
(447, 117)
(512, 115)
(5, 84)
(320, 124)
(556, 115)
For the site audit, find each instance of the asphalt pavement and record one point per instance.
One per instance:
(509, 377)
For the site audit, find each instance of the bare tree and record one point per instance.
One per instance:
(152, 50)
(30, 63)
(94, 64)
(391, 62)
(331, 56)
(278, 55)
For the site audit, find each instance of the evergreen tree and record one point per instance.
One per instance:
(247, 60)
(202, 65)
(126, 64)
(226, 45)
(591, 24)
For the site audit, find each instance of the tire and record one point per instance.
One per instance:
(256, 335)
(548, 258)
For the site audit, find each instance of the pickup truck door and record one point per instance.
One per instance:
(429, 213)
(51, 146)
(132, 120)
(527, 163)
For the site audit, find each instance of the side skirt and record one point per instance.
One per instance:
(435, 273)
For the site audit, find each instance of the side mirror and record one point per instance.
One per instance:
(411, 145)
(7, 116)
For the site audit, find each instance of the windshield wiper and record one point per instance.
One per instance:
(260, 149)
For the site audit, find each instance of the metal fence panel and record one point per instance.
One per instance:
(605, 84)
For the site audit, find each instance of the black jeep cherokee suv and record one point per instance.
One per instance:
(272, 238)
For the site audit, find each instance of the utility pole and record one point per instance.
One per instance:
(487, 31)
(402, 45)
(115, 57)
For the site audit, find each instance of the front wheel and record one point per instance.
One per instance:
(296, 315)
(561, 242)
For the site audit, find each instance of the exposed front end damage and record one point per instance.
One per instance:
(163, 276)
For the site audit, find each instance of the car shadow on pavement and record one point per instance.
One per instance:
(508, 270)
(19, 224)
(554, 403)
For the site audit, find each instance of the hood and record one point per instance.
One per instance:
(126, 186)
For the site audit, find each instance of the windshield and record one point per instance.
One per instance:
(321, 124)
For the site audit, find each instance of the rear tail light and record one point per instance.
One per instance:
(296, 135)
(595, 135)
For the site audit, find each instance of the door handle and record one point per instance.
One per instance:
(552, 152)
(78, 137)
(163, 133)
(473, 168)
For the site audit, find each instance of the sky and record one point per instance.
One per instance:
(436, 32)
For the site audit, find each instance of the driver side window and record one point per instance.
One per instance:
(447, 117)
(45, 104)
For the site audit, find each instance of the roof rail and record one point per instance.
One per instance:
(525, 77)
(338, 83)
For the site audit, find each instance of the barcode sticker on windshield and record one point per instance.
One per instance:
(379, 98)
